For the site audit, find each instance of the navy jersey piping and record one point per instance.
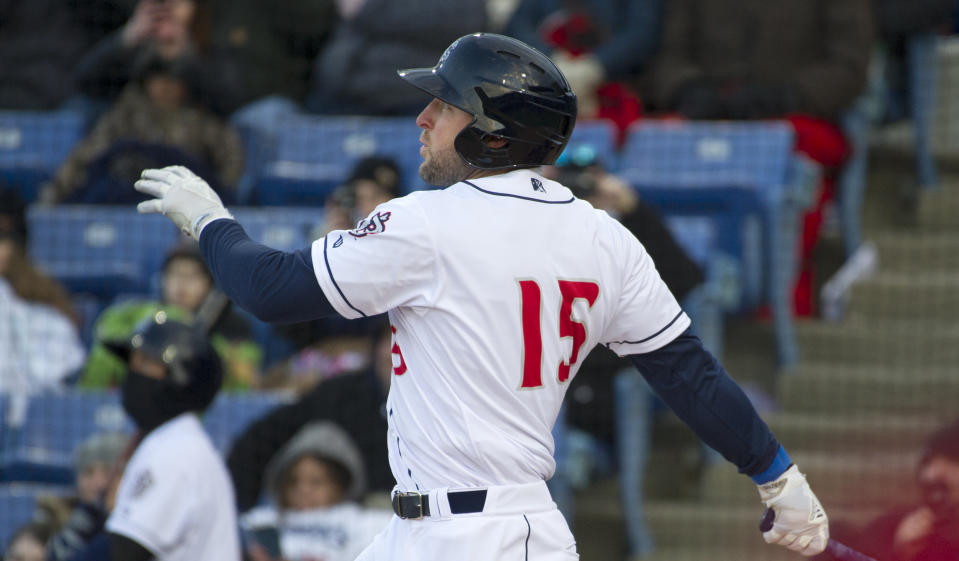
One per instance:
(653, 336)
(329, 271)
(531, 199)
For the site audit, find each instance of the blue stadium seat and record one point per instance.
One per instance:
(232, 413)
(103, 251)
(733, 210)
(316, 154)
(600, 135)
(283, 228)
(40, 446)
(33, 144)
(17, 502)
(757, 156)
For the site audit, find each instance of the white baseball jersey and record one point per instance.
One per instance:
(497, 289)
(175, 497)
(337, 533)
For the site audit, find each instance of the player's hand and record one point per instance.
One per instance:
(801, 523)
(182, 197)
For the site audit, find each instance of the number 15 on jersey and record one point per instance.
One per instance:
(532, 304)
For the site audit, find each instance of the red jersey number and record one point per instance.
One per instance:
(398, 369)
(531, 297)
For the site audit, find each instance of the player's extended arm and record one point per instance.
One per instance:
(697, 388)
(273, 285)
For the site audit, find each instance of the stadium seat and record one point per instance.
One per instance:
(33, 144)
(39, 446)
(231, 413)
(600, 136)
(757, 156)
(283, 228)
(103, 251)
(17, 504)
(316, 154)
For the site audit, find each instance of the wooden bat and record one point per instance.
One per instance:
(838, 550)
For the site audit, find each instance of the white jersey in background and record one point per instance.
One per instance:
(176, 498)
(497, 289)
(336, 533)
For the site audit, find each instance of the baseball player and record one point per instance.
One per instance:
(497, 287)
(175, 501)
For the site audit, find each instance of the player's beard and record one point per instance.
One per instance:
(443, 168)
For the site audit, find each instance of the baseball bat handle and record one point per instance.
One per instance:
(837, 549)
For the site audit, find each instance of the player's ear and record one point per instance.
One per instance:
(495, 142)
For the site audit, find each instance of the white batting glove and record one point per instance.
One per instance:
(182, 197)
(801, 523)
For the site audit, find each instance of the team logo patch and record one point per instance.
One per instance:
(143, 482)
(537, 185)
(338, 242)
(375, 224)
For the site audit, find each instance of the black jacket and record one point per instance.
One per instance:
(353, 401)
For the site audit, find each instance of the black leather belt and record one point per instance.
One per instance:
(415, 505)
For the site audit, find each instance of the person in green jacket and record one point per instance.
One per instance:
(186, 287)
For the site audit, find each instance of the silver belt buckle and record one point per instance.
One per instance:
(419, 505)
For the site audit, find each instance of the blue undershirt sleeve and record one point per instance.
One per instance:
(273, 285)
(705, 397)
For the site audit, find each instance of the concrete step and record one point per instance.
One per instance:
(676, 525)
(830, 388)
(833, 432)
(841, 481)
(918, 294)
(861, 340)
(759, 552)
(917, 252)
(939, 208)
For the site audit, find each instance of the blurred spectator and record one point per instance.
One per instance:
(155, 121)
(314, 482)
(729, 59)
(331, 346)
(173, 30)
(28, 543)
(373, 180)
(805, 60)
(355, 402)
(39, 341)
(98, 463)
(94, 462)
(928, 531)
(40, 43)
(498, 14)
(357, 67)
(187, 289)
(594, 42)
(269, 48)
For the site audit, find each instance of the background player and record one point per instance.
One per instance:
(496, 287)
(175, 501)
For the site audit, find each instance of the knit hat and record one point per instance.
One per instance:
(102, 447)
(326, 440)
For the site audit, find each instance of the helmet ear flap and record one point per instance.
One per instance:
(472, 146)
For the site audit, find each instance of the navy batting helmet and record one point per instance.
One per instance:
(195, 372)
(513, 91)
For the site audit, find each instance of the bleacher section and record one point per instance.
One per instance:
(34, 144)
(755, 156)
(742, 176)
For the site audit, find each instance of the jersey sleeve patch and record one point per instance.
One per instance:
(387, 261)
